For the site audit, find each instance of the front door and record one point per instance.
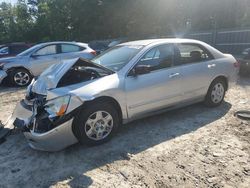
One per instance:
(156, 89)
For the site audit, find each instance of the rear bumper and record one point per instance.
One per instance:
(3, 75)
(54, 140)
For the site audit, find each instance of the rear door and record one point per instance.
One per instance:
(157, 89)
(43, 58)
(193, 61)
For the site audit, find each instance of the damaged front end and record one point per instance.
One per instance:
(46, 114)
(49, 126)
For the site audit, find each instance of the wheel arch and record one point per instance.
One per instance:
(112, 100)
(8, 71)
(221, 77)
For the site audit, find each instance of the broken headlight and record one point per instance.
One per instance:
(57, 107)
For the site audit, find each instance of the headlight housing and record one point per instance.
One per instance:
(57, 107)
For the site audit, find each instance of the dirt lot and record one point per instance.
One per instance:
(190, 147)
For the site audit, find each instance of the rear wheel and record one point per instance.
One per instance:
(216, 93)
(96, 124)
(20, 77)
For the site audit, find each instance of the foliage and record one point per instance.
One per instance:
(84, 20)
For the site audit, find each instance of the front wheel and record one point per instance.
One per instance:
(96, 123)
(216, 93)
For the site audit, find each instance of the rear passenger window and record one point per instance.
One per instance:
(191, 53)
(158, 58)
(67, 48)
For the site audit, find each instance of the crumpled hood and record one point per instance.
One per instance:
(50, 78)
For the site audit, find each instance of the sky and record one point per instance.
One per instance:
(9, 1)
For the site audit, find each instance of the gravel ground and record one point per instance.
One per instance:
(190, 147)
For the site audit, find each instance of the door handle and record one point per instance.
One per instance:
(174, 75)
(211, 65)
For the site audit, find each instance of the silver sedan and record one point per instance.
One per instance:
(86, 101)
(35, 60)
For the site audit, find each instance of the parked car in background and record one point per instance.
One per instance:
(12, 49)
(99, 46)
(102, 45)
(86, 101)
(115, 42)
(32, 62)
(245, 63)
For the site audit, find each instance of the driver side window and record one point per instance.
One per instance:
(160, 57)
(47, 50)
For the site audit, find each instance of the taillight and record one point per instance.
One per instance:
(237, 64)
(93, 52)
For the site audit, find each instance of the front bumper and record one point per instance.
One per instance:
(54, 140)
(3, 75)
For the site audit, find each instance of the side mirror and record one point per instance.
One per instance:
(140, 69)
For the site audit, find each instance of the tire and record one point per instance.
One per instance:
(20, 77)
(87, 126)
(216, 93)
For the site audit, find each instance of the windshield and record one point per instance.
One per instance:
(117, 57)
(29, 51)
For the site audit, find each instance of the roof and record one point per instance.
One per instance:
(65, 42)
(165, 40)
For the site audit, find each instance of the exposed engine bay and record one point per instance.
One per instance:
(79, 72)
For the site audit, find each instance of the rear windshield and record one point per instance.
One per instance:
(117, 57)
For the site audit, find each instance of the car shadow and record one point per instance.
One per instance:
(6, 86)
(72, 164)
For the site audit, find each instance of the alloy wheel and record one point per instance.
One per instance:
(99, 125)
(21, 78)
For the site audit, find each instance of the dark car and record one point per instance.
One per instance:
(9, 50)
(245, 63)
(99, 46)
(102, 45)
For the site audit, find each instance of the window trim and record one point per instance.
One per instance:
(138, 60)
(194, 44)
